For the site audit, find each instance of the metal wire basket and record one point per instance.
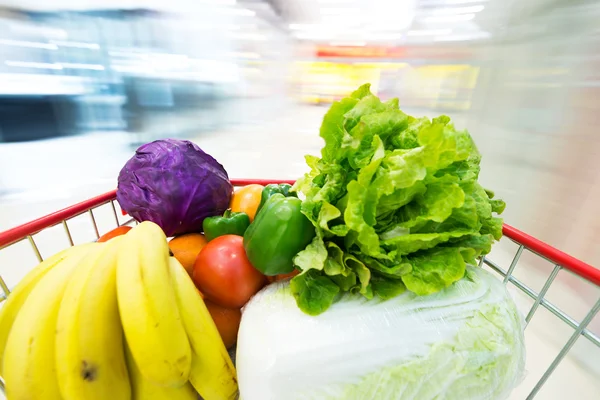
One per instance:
(525, 243)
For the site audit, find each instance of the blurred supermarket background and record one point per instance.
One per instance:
(82, 83)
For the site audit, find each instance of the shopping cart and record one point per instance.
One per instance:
(525, 242)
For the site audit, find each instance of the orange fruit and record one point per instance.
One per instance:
(185, 249)
(121, 230)
(227, 321)
(247, 199)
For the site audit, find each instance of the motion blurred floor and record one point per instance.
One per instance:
(67, 170)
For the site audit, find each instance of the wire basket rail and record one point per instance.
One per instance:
(525, 242)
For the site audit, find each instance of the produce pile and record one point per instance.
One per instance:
(112, 320)
(395, 202)
(357, 282)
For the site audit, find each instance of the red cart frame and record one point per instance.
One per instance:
(561, 260)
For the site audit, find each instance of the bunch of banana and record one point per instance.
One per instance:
(118, 320)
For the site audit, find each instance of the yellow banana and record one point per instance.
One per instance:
(143, 389)
(29, 360)
(17, 297)
(213, 374)
(90, 361)
(151, 321)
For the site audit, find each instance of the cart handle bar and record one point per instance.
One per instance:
(558, 257)
(561, 258)
(31, 228)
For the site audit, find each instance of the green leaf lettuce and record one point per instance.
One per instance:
(395, 202)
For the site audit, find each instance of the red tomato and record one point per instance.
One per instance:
(223, 273)
(114, 233)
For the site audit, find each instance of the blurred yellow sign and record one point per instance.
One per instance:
(433, 86)
(324, 82)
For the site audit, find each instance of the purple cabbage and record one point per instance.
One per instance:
(174, 184)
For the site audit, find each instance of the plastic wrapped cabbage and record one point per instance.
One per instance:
(174, 184)
(462, 343)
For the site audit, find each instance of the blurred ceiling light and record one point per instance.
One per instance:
(95, 67)
(242, 12)
(450, 18)
(242, 54)
(38, 30)
(447, 2)
(457, 10)
(217, 2)
(80, 45)
(166, 57)
(312, 35)
(339, 10)
(130, 68)
(461, 38)
(384, 27)
(388, 12)
(358, 43)
(249, 36)
(298, 27)
(23, 43)
(343, 24)
(427, 32)
(27, 64)
(389, 8)
(343, 20)
(237, 27)
(384, 36)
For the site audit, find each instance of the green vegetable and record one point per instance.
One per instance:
(273, 188)
(399, 198)
(464, 342)
(277, 234)
(231, 223)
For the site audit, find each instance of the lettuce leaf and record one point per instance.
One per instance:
(314, 293)
(395, 202)
(434, 270)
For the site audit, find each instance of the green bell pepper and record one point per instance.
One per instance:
(231, 223)
(277, 234)
(271, 189)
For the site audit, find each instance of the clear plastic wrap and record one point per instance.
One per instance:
(465, 343)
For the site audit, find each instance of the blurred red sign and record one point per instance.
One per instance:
(360, 51)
